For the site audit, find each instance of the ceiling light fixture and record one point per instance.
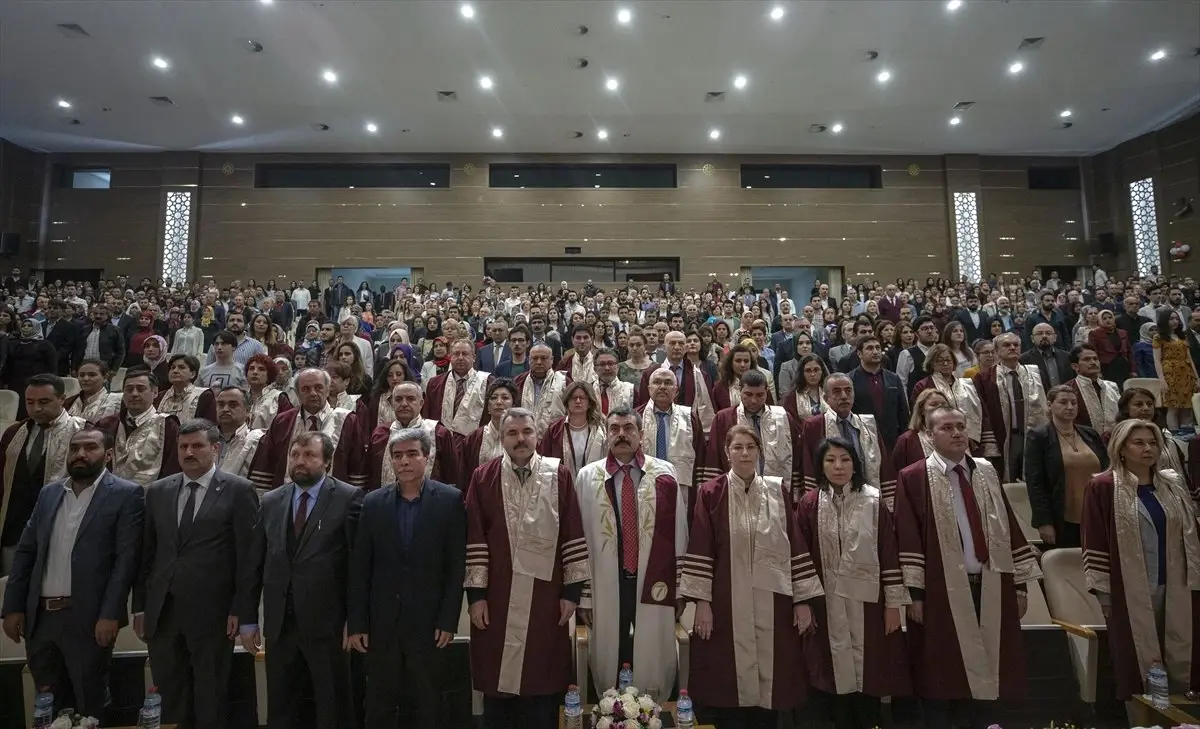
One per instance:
(64, 104)
(624, 16)
(836, 128)
(955, 121)
(954, 5)
(714, 134)
(884, 76)
(1158, 55)
(267, 2)
(1016, 68)
(485, 83)
(467, 11)
(329, 76)
(371, 128)
(612, 84)
(1065, 113)
(237, 119)
(497, 132)
(739, 82)
(161, 63)
(601, 134)
(777, 13)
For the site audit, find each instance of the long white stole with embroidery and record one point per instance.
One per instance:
(182, 406)
(57, 439)
(99, 407)
(868, 439)
(680, 438)
(387, 474)
(238, 453)
(1102, 411)
(776, 434)
(470, 410)
(138, 456)
(549, 407)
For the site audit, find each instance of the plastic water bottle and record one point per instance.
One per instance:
(1156, 681)
(43, 708)
(573, 711)
(684, 718)
(150, 717)
(624, 677)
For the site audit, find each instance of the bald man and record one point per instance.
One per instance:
(1048, 356)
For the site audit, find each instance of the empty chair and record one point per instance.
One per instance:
(9, 402)
(1018, 498)
(1052, 689)
(1078, 612)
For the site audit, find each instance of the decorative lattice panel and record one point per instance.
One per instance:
(1145, 226)
(966, 232)
(177, 241)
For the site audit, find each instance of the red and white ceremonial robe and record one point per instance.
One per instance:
(19, 474)
(93, 409)
(559, 442)
(442, 464)
(439, 401)
(1097, 410)
(877, 465)
(193, 402)
(546, 403)
(959, 393)
(579, 369)
(238, 452)
(780, 434)
(481, 446)
(613, 395)
(144, 449)
(911, 446)
(271, 402)
(270, 465)
(695, 391)
(997, 399)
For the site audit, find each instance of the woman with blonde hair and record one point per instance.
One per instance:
(914, 444)
(577, 438)
(1141, 558)
(960, 393)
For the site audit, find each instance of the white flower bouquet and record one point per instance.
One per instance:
(626, 709)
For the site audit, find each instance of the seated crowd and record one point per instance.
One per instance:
(809, 476)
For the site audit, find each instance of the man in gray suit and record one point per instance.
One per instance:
(71, 575)
(198, 527)
(299, 559)
(406, 584)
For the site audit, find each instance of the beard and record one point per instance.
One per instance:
(305, 479)
(85, 471)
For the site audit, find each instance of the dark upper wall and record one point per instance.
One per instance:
(20, 198)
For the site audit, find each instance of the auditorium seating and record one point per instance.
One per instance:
(1146, 383)
(1018, 499)
(9, 402)
(70, 386)
(1078, 612)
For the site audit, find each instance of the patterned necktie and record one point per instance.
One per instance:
(1018, 420)
(604, 398)
(188, 517)
(460, 389)
(37, 447)
(301, 515)
(978, 538)
(629, 531)
(762, 457)
(660, 436)
(312, 423)
(522, 474)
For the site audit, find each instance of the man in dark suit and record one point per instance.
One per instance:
(101, 340)
(878, 391)
(495, 351)
(406, 584)
(72, 572)
(1130, 320)
(518, 357)
(63, 335)
(1052, 362)
(973, 319)
(335, 297)
(198, 527)
(300, 554)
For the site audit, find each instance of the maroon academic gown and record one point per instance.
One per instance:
(431, 409)
(710, 677)
(812, 433)
(206, 405)
(687, 391)
(564, 365)
(469, 453)
(269, 467)
(885, 661)
(993, 413)
(717, 463)
(1099, 536)
(937, 666)
(547, 668)
(721, 398)
(699, 446)
(908, 450)
(169, 458)
(445, 464)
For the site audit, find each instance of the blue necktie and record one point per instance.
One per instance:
(660, 437)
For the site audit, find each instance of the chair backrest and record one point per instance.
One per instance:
(9, 402)
(1146, 383)
(117, 383)
(1066, 588)
(1036, 612)
(71, 386)
(1196, 407)
(1018, 498)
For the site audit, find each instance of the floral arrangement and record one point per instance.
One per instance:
(71, 720)
(626, 709)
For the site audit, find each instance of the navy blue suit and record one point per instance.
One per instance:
(62, 649)
(486, 357)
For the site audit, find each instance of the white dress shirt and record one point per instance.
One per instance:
(970, 561)
(201, 491)
(56, 580)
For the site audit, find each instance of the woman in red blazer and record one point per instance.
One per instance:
(1112, 344)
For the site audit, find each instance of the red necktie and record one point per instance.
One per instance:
(301, 515)
(312, 423)
(459, 391)
(604, 398)
(978, 538)
(629, 530)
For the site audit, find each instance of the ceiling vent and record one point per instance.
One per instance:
(1031, 44)
(816, 128)
(254, 46)
(963, 105)
(161, 101)
(72, 30)
(447, 96)
(714, 95)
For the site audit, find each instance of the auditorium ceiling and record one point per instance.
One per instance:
(1044, 77)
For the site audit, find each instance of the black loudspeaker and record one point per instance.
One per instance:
(1107, 244)
(10, 244)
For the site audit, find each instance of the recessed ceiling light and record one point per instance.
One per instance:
(161, 63)
(714, 134)
(739, 82)
(1016, 68)
(266, 2)
(329, 76)
(497, 132)
(777, 13)
(624, 16)
(485, 83)
(954, 5)
(884, 76)
(601, 134)
(955, 121)
(836, 128)
(467, 11)
(1065, 113)
(612, 84)
(1158, 55)
(64, 104)
(236, 119)
(371, 128)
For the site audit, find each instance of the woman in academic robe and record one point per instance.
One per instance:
(856, 654)
(377, 410)
(483, 444)
(914, 444)
(1141, 558)
(940, 364)
(266, 398)
(577, 438)
(1139, 403)
(727, 392)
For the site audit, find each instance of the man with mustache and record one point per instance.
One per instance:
(633, 575)
(300, 553)
(198, 525)
(74, 565)
(526, 571)
(441, 463)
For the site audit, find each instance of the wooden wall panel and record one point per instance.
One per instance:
(21, 176)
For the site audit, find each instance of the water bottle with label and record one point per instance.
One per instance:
(573, 711)
(625, 677)
(1156, 683)
(684, 718)
(150, 716)
(43, 708)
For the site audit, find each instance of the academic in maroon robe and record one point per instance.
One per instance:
(165, 455)
(445, 454)
(909, 450)
(876, 459)
(716, 461)
(687, 390)
(206, 405)
(269, 467)
(722, 398)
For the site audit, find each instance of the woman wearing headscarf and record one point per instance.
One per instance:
(28, 354)
(1143, 351)
(144, 330)
(154, 356)
(438, 361)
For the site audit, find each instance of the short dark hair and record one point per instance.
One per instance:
(135, 372)
(584, 328)
(244, 393)
(192, 363)
(864, 341)
(48, 379)
(606, 351)
(623, 411)
(754, 377)
(1078, 350)
(200, 425)
(521, 329)
(98, 364)
(225, 337)
(105, 437)
(308, 436)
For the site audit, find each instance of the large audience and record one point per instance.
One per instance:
(876, 414)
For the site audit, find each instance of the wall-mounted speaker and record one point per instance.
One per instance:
(10, 244)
